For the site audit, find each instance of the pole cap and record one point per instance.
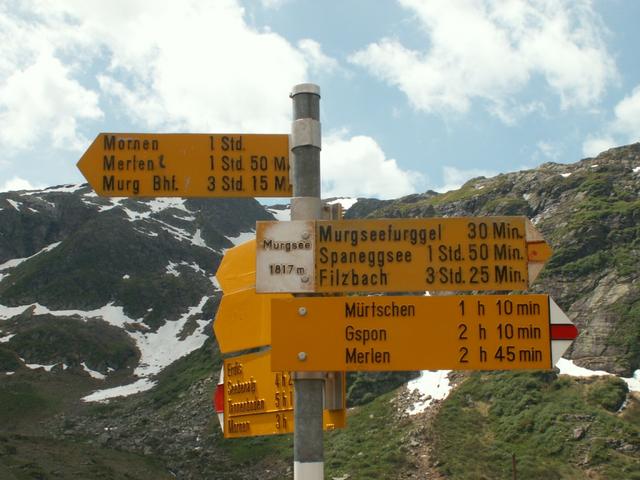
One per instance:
(305, 88)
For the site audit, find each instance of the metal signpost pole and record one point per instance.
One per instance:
(308, 450)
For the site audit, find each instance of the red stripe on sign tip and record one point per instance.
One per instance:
(563, 332)
(218, 400)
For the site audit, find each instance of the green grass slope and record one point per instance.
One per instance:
(557, 428)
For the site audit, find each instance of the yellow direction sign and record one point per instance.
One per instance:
(243, 320)
(398, 255)
(188, 165)
(237, 271)
(479, 332)
(257, 401)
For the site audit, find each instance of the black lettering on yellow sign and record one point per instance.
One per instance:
(354, 355)
(351, 278)
(246, 406)
(238, 427)
(415, 236)
(113, 142)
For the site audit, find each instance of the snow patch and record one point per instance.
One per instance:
(7, 338)
(346, 202)
(567, 367)
(109, 313)
(141, 385)
(159, 204)
(565, 175)
(171, 268)
(595, 166)
(178, 233)
(135, 216)
(70, 188)
(126, 277)
(197, 239)
(432, 385)
(526, 196)
(243, 237)
(93, 373)
(158, 350)
(113, 203)
(281, 215)
(636, 170)
(161, 348)
(14, 204)
(17, 261)
(148, 234)
(35, 366)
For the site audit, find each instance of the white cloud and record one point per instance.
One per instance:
(627, 121)
(549, 149)
(357, 166)
(192, 65)
(17, 183)
(41, 101)
(186, 65)
(595, 145)
(480, 50)
(623, 129)
(454, 177)
(274, 4)
(318, 61)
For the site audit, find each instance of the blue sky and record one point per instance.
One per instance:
(416, 94)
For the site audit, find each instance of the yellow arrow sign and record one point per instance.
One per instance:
(237, 271)
(258, 401)
(243, 320)
(480, 332)
(396, 255)
(188, 165)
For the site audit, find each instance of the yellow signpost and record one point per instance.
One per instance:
(258, 401)
(399, 255)
(480, 332)
(237, 271)
(243, 320)
(188, 165)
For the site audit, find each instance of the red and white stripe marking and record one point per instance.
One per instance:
(563, 331)
(218, 398)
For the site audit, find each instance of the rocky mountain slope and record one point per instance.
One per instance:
(589, 212)
(107, 297)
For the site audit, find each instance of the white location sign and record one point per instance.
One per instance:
(285, 256)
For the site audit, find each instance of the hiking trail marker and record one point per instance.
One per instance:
(188, 165)
(399, 255)
(256, 401)
(460, 332)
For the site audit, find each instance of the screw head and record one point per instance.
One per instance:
(302, 356)
(305, 278)
(302, 311)
(305, 235)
